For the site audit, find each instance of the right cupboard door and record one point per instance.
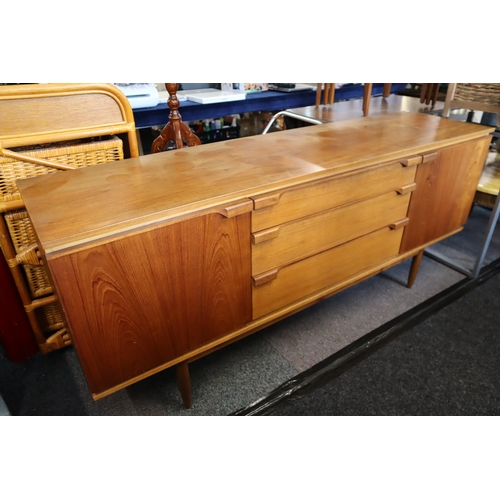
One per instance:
(446, 183)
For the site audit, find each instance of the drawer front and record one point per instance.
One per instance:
(293, 241)
(286, 205)
(297, 281)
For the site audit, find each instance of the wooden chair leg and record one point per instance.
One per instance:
(367, 95)
(435, 94)
(318, 94)
(331, 94)
(387, 90)
(415, 265)
(184, 382)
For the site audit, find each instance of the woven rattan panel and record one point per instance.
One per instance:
(79, 153)
(49, 318)
(22, 235)
(486, 93)
(73, 153)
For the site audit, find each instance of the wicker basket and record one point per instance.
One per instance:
(21, 232)
(485, 199)
(80, 153)
(486, 93)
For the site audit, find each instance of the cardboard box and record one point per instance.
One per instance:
(244, 87)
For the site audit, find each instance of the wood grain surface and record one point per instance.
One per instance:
(307, 276)
(78, 207)
(137, 303)
(306, 236)
(446, 185)
(285, 205)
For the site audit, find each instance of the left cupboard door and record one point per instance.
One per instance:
(138, 302)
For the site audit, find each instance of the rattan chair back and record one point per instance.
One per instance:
(44, 128)
(473, 96)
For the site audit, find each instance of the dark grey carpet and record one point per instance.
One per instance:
(447, 365)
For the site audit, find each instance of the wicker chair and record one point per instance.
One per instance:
(480, 97)
(473, 96)
(45, 128)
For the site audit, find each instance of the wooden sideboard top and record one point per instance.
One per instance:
(77, 207)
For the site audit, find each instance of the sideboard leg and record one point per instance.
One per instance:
(184, 383)
(415, 265)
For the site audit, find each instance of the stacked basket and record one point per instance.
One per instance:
(17, 238)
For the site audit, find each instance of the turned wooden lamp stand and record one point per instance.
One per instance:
(175, 132)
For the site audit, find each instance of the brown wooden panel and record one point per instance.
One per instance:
(445, 190)
(283, 206)
(304, 237)
(310, 275)
(136, 303)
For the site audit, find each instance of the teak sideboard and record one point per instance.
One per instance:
(162, 259)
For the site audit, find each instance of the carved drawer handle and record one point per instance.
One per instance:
(264, 278)
(399, 224)
(238, 208)
(410, 162)
(407, 189)
(267, 200)
(266, 235)
(429, 157)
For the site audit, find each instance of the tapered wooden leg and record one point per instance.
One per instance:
(184, 383)
(435, 93)
(319, 89)
(387, 90)
(423, 92)
(415, 265)
(331, 94)
(367, 95)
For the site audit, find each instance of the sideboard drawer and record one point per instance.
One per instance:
(296, 281)
(285, 205)
(301, 238)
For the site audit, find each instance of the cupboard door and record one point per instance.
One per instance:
(446, 183)
(136, 303)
